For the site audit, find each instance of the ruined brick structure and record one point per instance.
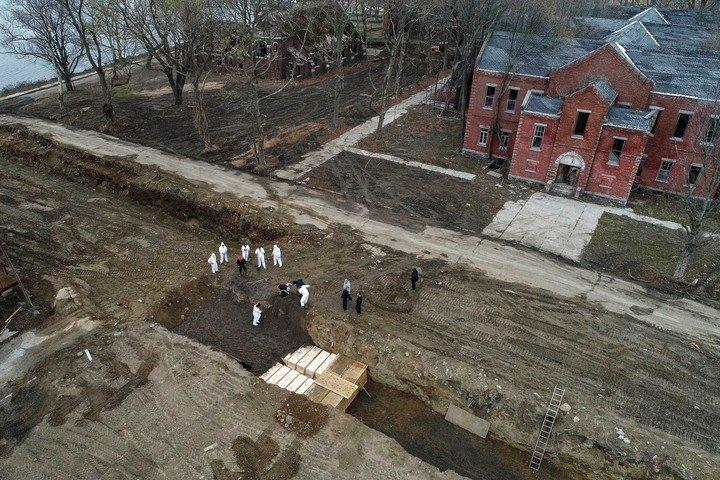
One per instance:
(623, 103)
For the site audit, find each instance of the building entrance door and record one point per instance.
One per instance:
(568, 175)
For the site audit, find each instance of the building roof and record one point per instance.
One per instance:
(649, 15)
(543, 105)
(679, 74)
(629, 118)
(540, 56)
(634, 33)
(604, 88)
(596, 27)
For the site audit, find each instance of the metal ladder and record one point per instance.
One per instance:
(546, 429)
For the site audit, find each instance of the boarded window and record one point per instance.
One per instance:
(581, 123)
(616, 151)
(483, 137)
(711, 132)
(693, 174)
(664, 172)
(490, 96)
(682, 124)
(512, 99)
(538, 135)
(504, 138)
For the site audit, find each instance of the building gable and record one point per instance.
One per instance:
(609, 62)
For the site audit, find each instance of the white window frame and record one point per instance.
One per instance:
(485, 105)
(507, 142)
(716, 132)
(667, 178)
(682, 112)
(657, 117)
(480, 136)
(577, 114)
(611, 156)
(535, 135)
(507, 104)
(687, 180)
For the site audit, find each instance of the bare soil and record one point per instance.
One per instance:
(419, 195)
(147, 115)
(494, 348)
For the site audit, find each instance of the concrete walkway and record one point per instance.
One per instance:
(354, 135)
(497, 260)
(410, 163)
(557, 225)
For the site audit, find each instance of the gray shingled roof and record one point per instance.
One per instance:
(649, 15)
(681, 37)
(630, 119)
(635, 34)
(539, 59)
(543, 105)
(604, 88)
(679, 74)
(596, 27)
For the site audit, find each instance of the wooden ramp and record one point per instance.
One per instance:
(322, 376)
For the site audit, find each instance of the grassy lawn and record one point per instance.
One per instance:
(425, 136)
(632, 249)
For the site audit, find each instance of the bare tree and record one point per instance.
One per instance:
(41, 29)
(528, 28)
(85, 18)
(164, 30)
(701, 202)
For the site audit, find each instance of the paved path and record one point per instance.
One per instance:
(558, 225)
(354, 135)
(410, 163)
(497, 260)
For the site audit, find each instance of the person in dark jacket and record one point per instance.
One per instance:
(414, 277)
(242, 264)
(358, 302)
(345, 298)
(284, 289)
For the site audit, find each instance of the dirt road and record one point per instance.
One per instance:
(499, 261)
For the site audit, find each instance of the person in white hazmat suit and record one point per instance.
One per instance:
(256, 315)
(223, 253)
(245, 250)
(260, 252)
(277, 256)
(346, 285)
(213, 263)
(305, 295)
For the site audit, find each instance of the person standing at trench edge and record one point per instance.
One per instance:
(345, 298)
(358, 302)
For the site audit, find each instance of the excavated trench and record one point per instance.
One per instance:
(219, 316)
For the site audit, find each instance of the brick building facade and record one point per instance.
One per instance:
(623, 103)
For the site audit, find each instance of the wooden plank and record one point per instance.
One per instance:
(315, 364)
(332, 399)
(340, 364)
(316, 393)
(468, 421)
(279, 374)
(307, 359)
(287, 379)
(302, 389)
(356, 373)
(337, 384)
(295, 384)
(293, 358)
(271, 371)
(326, 364)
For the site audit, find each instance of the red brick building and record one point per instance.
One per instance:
(635, 104)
